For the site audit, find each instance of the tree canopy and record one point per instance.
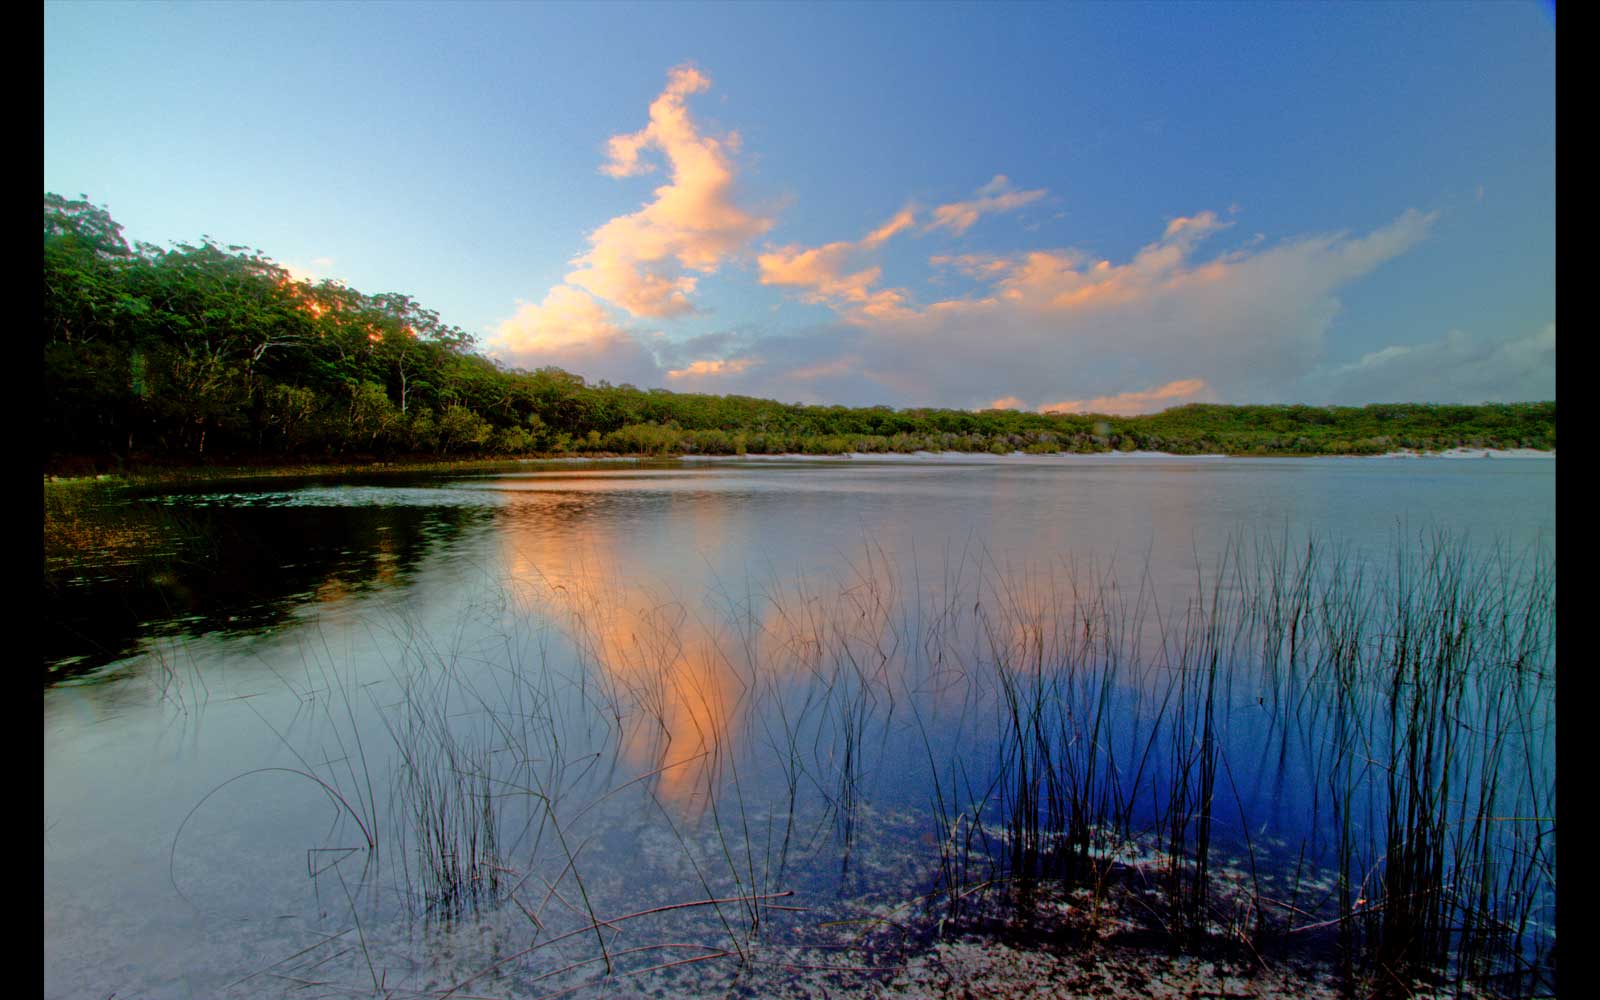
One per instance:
(202, 351)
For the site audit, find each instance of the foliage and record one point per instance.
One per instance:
(204, 350)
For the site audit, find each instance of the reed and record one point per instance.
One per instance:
(1421, 695)
(1075, 739)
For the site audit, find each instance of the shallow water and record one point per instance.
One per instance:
(675, 681)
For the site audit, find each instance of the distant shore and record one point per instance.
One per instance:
(957, 456)
(1474, 453)
(155, 474)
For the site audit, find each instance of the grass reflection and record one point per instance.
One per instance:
(1305, 754)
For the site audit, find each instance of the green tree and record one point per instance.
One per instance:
(370, 416)
(462, 430)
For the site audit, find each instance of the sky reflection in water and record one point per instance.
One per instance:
(686, 630)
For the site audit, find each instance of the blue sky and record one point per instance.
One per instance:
(1120, 207)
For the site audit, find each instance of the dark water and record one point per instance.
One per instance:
(668, 683)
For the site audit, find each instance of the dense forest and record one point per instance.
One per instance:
(206, 353)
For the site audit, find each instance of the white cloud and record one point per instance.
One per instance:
(1456, 368)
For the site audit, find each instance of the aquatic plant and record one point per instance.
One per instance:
(1080, 745)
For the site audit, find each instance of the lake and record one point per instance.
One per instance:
(502, 732)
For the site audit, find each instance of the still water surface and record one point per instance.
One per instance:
(669, 681)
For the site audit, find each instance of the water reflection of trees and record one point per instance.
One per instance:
(233, 570)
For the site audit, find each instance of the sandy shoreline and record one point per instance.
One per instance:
(918, 457)
(1517, 453)
(1101, 456)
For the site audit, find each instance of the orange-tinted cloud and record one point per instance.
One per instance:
(995, 196)
(648, 262)
(570, 330)
(973, 265)
(1058, 324)
(903, 220)
(731, 366)
(1189, 390)
(1199, 224)
(828, 369)
(1063, 326)
(1058, 280)
(1050, 323)
(566, 318)
(1055, 282)
(826, 276)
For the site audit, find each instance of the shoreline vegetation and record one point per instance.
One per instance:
(80, 470)
(209, 355)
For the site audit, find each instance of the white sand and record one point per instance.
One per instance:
(1474, 453)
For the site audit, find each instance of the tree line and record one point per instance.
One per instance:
(206, 353)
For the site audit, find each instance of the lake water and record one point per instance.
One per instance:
(424, 731)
